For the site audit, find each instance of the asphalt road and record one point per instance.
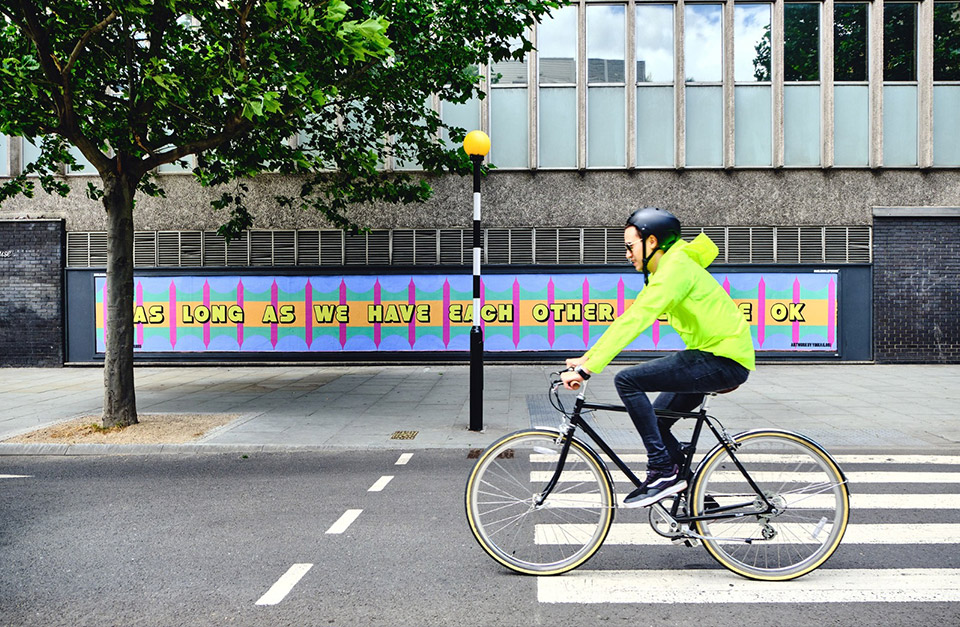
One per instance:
(276, 539)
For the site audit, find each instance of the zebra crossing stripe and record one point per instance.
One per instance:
(720, 586)
(858, 501)
(542, 476)
(950, 460)
(641, 533)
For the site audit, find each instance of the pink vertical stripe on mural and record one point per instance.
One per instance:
(831, 311)
(656, 332)
(139, 304)
(412, 300)
(173, 315)
(586, 324)
(796, 299)
(240, 305)
(483, 296)
(516, 313)
(761, 311)
(376, 325)
(206, 325)
(275, 301)
(105, 312)
(446, 313)
(343, 325)
(620, 297)
(550, 325)
(308, 307)
(726, 285)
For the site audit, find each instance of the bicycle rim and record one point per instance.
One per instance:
(803, 482)
(563, 532)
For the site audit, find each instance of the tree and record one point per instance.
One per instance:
(135, 84)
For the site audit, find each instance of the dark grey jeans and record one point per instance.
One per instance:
(682, 378)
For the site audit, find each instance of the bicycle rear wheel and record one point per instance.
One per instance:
(548, 539)
(802, 482)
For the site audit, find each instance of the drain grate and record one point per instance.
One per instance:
(404, 435)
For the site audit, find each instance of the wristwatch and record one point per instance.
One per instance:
(583, 373)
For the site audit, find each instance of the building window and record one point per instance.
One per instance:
(4, 155)
(946, 86)
(851, 92)
(801, 90)
(656, 126)
(557, 95)
(465, 115)
(509, 121)
(900, 88)
(703, 71)
(29, 151)
(753, 122)
(606, 86)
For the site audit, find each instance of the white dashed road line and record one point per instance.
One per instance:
(284, 585)
(15, 476)
(344, 521)
(404, 459)
(381, 483)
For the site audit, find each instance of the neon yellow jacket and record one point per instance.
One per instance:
(699, 309)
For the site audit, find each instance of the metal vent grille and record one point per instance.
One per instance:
(191, 249)
(425, 247)
(402, 249)
(308, 248)
(284, 248)
(569, 246)
(545, 246)
(238, 251)
(517, 246)
(452, 246)
(145, 248)
(594, 245)
(788, 244)
(168, 249)
(332, 247)
(378, 248)
(497, 246)
(214, 249)
(521, 246)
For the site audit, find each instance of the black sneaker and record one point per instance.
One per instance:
(659, 484)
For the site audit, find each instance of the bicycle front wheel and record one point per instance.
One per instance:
(548, 538)
(802, 483)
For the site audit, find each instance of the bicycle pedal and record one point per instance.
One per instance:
(691, 542)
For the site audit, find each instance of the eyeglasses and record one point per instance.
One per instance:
(629, 245)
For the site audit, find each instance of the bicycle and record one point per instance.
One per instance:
(766, 504)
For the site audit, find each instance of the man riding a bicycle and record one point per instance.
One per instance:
(719, 351)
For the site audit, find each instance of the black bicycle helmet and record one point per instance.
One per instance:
(657, 222)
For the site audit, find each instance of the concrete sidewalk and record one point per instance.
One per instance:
(361, 407)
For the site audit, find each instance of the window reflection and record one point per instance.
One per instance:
(801, 42)
(654, 39)
(946, 41)
(850, 42)
(899, 42)
(557, 46)
(751, 42)
(606, 44)
(703, 43)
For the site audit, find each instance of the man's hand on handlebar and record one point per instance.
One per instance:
(573, 377)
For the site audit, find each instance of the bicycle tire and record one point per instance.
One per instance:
(800, 478)
(557, 536)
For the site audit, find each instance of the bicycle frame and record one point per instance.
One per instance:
(576, 421)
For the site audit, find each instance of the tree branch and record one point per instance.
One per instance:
(83, 42)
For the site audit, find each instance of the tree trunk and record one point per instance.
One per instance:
(119, 398)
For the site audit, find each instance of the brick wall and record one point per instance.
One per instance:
(31, 292)
(916, 285)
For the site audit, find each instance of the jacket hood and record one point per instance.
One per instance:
(702, 249)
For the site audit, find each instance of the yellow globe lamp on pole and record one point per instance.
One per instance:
(477, 145)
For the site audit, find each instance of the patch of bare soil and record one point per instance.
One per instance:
(152, 429)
